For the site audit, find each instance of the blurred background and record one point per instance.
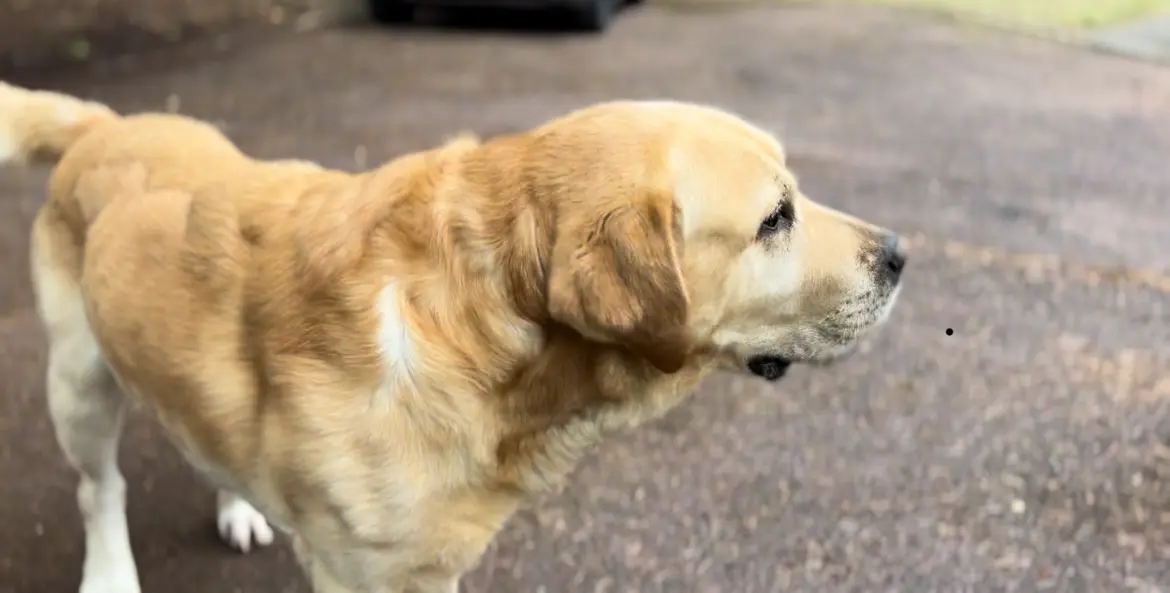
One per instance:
(1009, 430)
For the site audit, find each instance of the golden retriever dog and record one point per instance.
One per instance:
(385, 364)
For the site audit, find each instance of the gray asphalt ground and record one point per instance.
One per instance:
(1025, 452)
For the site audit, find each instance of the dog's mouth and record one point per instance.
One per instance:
(772, 367)
(768, 368)
(822, 344)
(837, 355)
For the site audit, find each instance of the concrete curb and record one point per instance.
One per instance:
(1054, 34)
(1146, 39)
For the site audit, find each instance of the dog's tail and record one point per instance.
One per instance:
(42, 125)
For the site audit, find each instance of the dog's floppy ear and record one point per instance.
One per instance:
(615, 278)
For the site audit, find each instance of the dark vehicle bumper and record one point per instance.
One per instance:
(587, 15)
(536, 4)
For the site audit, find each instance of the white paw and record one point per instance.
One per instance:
(110, 581)
(240, 524)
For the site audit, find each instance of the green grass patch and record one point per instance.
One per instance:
(1068, 14)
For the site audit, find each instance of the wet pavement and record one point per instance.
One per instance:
(1025, 452)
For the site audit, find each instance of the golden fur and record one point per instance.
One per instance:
(387, 363)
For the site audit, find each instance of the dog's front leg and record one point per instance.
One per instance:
(323, 582)
(342, 569)
(433, 586)
(445, 586)
(320, 578)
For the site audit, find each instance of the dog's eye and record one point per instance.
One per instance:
(777, 221)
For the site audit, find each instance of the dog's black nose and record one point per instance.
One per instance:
(891, 257)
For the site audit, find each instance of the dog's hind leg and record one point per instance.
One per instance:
(86, 406)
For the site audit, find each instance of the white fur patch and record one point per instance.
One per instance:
(240, 524)
(9, 148)
(394, 338)
(69, 112)
(109, 563)
(10, 104)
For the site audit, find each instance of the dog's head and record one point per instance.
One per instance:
(680, 233)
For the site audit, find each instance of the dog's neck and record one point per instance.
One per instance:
(475, 218)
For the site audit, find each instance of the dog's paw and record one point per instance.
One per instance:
(241, 525)
(123, 580)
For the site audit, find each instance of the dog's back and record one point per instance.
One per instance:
(139, 215)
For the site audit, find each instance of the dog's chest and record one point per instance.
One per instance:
(396, 341)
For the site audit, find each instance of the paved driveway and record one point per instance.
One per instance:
(1022, 453)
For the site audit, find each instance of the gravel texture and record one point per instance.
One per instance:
(1025, 452)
